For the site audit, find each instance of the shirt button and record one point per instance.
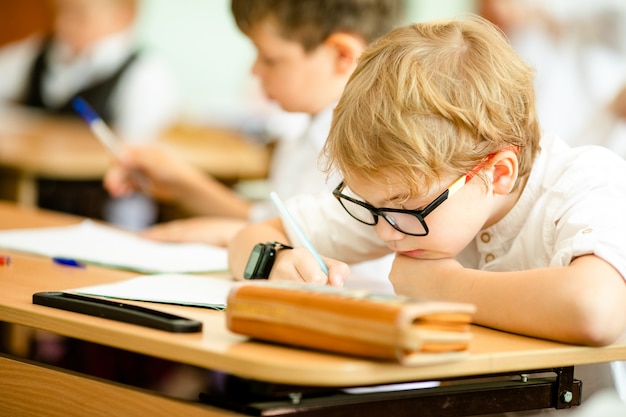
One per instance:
(489, 257)
(485, 237)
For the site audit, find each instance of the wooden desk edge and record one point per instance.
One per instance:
(90, 396)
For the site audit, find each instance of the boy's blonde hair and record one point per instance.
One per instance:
(431, 100)
(311, 22)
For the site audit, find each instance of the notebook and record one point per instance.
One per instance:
(94, 243)
(180, 289)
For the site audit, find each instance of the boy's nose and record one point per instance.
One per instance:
(386, 232)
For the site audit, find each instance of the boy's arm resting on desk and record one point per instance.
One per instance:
(583, 303)
(212, 230)
(169, 179)
(297, 264)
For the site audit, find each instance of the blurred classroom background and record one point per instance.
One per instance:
(199, 40)
(577, 47)
(211, 59)
(215, 67)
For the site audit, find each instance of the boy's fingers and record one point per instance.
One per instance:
(336, 280)
(337, 273)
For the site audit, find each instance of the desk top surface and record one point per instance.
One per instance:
(64, 148)
(216, 348)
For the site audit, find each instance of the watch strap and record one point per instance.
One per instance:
(262, 259)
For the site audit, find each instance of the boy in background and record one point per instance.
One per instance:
(444, 165)
(92, 52)
(306, 51)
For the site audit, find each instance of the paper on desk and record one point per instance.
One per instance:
(94, 243)
(181, 289)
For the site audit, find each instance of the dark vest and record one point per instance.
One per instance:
(83, 198)
(98, 94)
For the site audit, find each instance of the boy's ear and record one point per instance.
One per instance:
(347, 49)
(504, 167)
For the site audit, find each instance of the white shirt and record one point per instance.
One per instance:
(573, 204)
(295, 167)
(144, 103)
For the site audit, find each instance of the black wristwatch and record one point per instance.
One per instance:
(262, 259)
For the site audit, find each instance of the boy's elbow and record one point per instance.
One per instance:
(599, 324)
(598, 335)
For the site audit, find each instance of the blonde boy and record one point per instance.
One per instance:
(441, 154)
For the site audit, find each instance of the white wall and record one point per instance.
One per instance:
(212, 59)
(420, 10)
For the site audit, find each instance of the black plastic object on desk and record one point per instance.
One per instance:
(115, 310)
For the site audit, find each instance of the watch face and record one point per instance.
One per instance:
(260, 262)
(251, 266)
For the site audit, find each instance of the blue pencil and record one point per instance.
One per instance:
(289, 218)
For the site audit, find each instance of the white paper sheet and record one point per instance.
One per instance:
(91, 242)
(190, 290)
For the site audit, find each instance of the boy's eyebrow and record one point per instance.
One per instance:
(403, 196)
(399, 198)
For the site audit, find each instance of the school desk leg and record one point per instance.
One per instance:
(27, 190)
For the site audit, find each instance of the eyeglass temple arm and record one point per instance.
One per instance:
(456, 186)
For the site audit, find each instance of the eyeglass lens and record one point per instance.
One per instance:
(404, 222)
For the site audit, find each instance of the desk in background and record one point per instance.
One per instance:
(34, 146)
(30, 388)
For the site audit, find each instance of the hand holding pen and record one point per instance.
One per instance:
(109, 140)
(334, 278)
(151, 169)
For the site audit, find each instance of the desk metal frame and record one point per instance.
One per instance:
(479, 395)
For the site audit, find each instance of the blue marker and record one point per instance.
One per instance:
(287, 216)
(67, 262)
(100, 129)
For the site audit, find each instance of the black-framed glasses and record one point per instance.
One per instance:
(409, 222)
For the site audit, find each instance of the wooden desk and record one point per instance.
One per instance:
(33, 389)
(33, 146)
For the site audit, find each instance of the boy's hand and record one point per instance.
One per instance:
(118, 182)
(298, 264)
(422, 278)
(217, 231)
(153, 170)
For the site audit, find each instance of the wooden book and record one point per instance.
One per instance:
(355, 322)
